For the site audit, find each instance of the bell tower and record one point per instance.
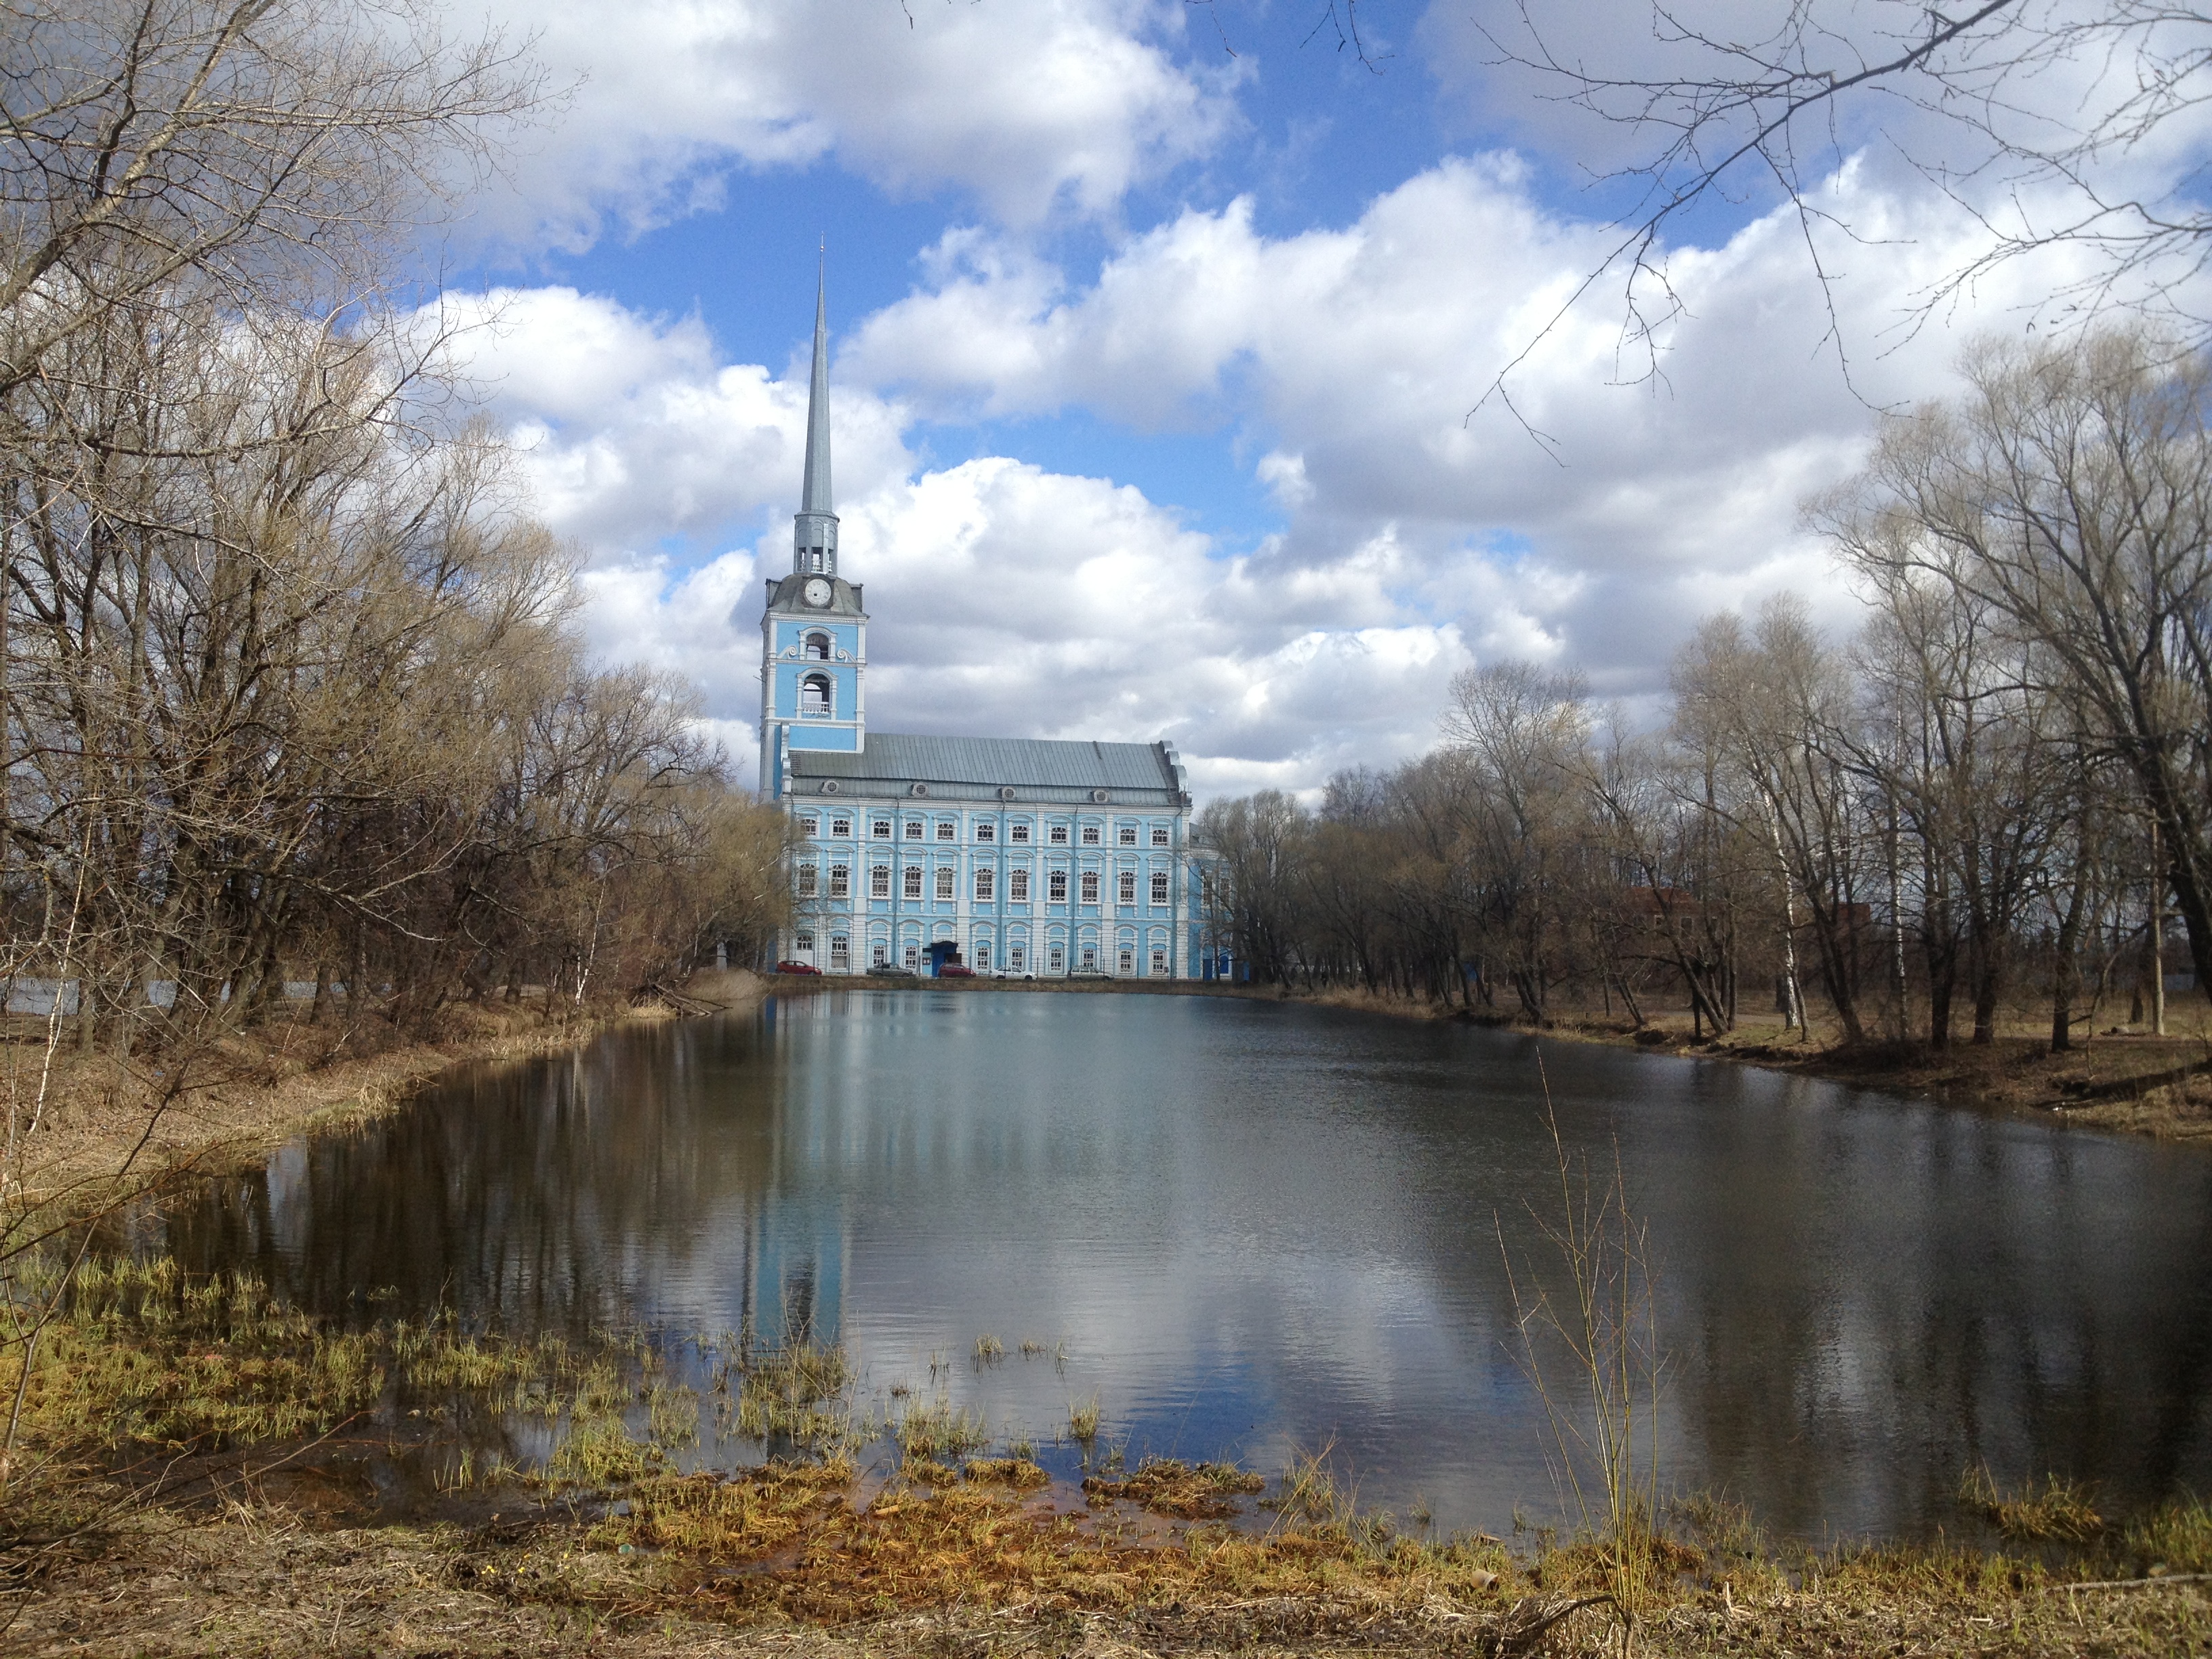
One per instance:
(814, 632)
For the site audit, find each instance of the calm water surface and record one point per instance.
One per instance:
(1258, 1228)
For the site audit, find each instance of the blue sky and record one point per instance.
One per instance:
(1154, 364)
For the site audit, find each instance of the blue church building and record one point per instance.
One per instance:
(1013, 855)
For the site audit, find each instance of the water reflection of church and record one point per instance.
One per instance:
(1019, 854)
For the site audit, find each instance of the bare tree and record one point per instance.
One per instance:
(2069, 492)
(2042, 119)
(153, 152)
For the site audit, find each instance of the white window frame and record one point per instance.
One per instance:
(910, 882)
(1017, 887)
(1125, 834)
(947, 829)
(986, 830)
(1125, 889)
(840, 828)
(1056, 888)
(1159, 887)
(1090, 836)
(879, 881)
(944, 883)
(840, 881)
(880, 829)
(1089, 887)
(1056, 835)
(1159, 834)
(986, 881)
(914, 828)
(809, 880)
(1019, 832)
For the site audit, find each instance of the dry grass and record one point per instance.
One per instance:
(791, 1560)
(2059, 1510)
(1166, 1486)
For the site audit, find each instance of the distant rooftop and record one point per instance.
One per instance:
(976, 769)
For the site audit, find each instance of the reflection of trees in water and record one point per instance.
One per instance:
(565, 1194)
(1862, 1305)
(1859, 1295)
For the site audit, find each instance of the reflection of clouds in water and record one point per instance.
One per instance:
(1261, 1229)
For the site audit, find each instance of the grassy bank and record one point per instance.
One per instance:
(93, 1125)
(2115, 1077)
(192, 1483)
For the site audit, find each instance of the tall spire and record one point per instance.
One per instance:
(814, 529)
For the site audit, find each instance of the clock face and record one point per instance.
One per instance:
(818, 592)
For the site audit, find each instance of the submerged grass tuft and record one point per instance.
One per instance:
(1166, 1485)
(2058, 1510)
(939, 1429)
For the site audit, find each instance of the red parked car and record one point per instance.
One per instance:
(796, 968)
(956, 971)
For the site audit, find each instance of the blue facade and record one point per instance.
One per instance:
(1009, 856)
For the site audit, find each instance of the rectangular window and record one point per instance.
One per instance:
(804, 944)
(1020, 832)
(1159, 887)
(914, 828)
(982, 954)
(1090, 835)
(840, 829)
(1017, 886)
(841, 951)
(1159, 834)
(945, 882)
(1056, 960)
(986, 830)
(985, 880)
(1089, 959)
(841, 880)
(807, 875)
(1056, 887)
(1090, 887)
(811, 826)
(1160, 961)
(911, 884)
(1127, 834)
(879, 954)
(913, 955)
(881, 828)
(1016, 956)
(1057, 834)
(879, 881)
(1128, 962)
(944, 828)
(1125, 890)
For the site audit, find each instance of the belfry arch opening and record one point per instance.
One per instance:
(816, 647)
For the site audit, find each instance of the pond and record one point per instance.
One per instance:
(1252, 1229)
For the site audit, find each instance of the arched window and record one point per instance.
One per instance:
(818, 647)
(814, 697)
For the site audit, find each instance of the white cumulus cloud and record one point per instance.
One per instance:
(1046, 104)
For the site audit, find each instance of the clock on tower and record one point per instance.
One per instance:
(813, 633)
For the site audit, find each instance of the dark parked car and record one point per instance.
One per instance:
(892, 971)
(796, 968)
(956, 971)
